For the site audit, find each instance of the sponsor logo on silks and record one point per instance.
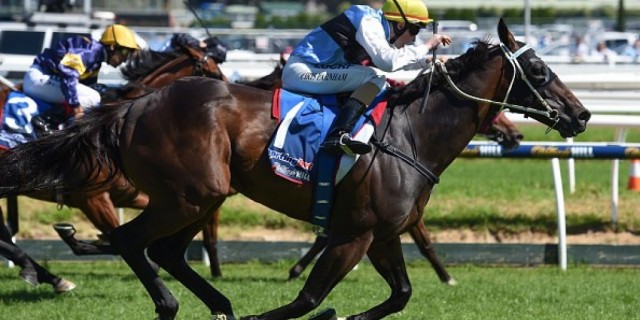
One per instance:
(332, 66)
(324, 76)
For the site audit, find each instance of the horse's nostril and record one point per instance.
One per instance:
(585, 115)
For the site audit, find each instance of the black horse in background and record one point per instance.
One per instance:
(196, 142)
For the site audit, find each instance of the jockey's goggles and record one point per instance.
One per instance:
(414, 29)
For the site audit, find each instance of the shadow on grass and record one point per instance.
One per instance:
(496, 222)
(26, 296)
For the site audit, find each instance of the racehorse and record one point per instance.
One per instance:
(145, 72)
(500, 129)
(197, 141)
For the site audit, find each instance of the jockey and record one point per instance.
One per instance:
(62, 74)
(349, 52)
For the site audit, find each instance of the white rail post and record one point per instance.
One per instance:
(571, 168)
(621, 134)
(562, 226)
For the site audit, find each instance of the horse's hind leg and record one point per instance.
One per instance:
(317, 247)
(100, 211)
(340, 256)
(169, 254)
(387, 258)
(130, 241)
(420, 236)
(31, 271)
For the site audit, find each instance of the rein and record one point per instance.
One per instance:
(512, 58)
(412, 161)
(198, 70)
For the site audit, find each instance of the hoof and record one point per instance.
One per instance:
(65, 230)
(30, 276)
(452, 282)
(327, 314)
(63, 286)
(295, 272)
(222, 316)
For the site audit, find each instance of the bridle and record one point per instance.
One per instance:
(512, 58)
(199, 69)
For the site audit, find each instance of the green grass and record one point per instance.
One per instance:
(109, 290)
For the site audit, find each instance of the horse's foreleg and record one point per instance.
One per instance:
(317, 247)
(210, 242)
(421, 237)
(169, 254)
(387, 258)
(340, 256)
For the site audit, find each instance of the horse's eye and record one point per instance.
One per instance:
(537, 70)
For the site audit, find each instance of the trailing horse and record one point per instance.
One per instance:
(145, 73)
(197, 141)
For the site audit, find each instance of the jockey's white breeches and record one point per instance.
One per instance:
(301, 76)
(48, 88)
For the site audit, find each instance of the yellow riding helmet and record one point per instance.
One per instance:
(117, 34)
(414, 10)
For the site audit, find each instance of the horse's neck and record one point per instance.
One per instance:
(448, 124)
(150, 79)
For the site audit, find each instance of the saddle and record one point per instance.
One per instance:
(294, 150)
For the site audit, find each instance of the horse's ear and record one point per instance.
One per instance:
(506, 36)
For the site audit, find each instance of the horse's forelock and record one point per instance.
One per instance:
(144, 62)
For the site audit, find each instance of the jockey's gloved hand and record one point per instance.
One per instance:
(40, 126)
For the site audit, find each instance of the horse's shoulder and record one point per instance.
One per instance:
(202, 86)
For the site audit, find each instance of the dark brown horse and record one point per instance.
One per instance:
(145, 73)
(500, 129)
(194, 143)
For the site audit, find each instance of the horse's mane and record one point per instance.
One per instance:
(267, 82)
(457, 68)
(144, 62)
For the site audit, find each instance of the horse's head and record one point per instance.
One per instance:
(150, 70)
(539, 88)
(205, 65)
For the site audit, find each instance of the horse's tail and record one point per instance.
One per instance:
(83, 156)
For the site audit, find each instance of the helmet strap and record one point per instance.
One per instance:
(398, 31)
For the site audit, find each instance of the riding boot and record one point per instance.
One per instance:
(339, 137)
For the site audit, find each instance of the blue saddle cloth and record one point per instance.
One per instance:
(294, 148)
(17, 113)
(304, 124)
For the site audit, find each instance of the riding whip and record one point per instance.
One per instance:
(423, 105)
(186, 3)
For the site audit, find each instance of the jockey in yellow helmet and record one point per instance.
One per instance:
(63, 73)
(350, 52)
